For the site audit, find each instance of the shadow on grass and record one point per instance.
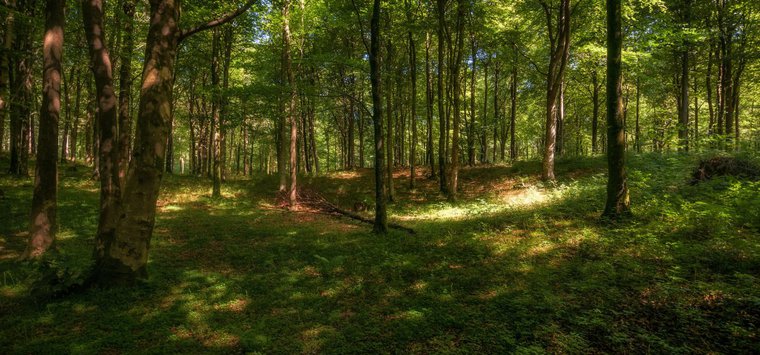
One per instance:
(231, 276)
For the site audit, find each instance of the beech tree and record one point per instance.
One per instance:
(45, 198)
(618, 201)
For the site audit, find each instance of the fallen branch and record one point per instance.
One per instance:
(318, 203)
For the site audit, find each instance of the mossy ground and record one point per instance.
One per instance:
(516, 266)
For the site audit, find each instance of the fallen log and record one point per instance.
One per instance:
(317, 202)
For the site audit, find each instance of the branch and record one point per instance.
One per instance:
(361, 26)
(219, 21)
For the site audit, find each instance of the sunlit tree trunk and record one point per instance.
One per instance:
(290, 110)
(559, 40)
(124, 257)
(100, 63)
(43, 221)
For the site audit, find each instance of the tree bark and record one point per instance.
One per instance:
(100, 61)
(381, 219)
(290, 110)
(461, 8)
(618, 201)
(44, 200)
(413, 148)
(429, 149)
(443, 132)
(21, 82)
(125, 88)
(559, 40)
(5, 73)
(124, 258)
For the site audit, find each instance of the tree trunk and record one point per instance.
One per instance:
(443, 133)
(290, 110)
(124, 258)
(381, 222)
(413, 148)
(5, 73)
(216, 103)
(618, 202)
(389, 107)
(100, 63)
(683, 113)
(21, 84)
(44, 201)
(125, 88)
(429, 149)
(559, 40)
(471, 126)
(513, 113)
(461, 8)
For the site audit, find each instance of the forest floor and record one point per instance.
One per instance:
(516, 266)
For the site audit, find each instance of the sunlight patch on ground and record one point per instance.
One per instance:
(528, 197)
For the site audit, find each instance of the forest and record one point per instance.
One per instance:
(379, 176)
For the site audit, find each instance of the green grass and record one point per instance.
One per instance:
(516, 266)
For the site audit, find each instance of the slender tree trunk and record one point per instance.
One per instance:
(618, 202)
(683, 117)
(75, 121)
(291, 105)
(709, 87)
(429, 149)
(513, 113)
(638, 114)
(696, 114)
(389, 107)
(6, 45)
(559, 40)
(413, 148)
(125, 88)
(442, 127)
(461, 9)
(67, 116)
(381, 222)
(216, 128)
(21, 84)
(43, 226)
(471, 126)
(93, 14)
(484, 139)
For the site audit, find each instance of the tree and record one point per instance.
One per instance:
(618, 201)
(45, 199)
(559, 45)
(124, 256)
(457, 98)
(381, 222)
(108, 154)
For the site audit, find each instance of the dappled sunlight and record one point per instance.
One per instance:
(239, 274)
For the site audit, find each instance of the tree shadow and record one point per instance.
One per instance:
(234, 275)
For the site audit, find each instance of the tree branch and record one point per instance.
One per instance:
(219, 21)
